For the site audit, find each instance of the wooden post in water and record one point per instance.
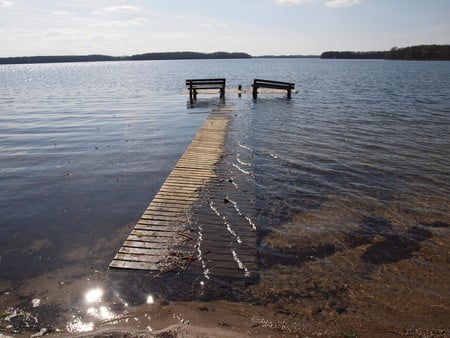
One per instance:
(255, 92)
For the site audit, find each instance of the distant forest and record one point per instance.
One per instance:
(147, 56)
(422, 52)
(287, 56)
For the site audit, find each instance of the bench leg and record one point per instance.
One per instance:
(255, 92)
(191, 98)
(195, 94)
(222, 93)
(289, 93)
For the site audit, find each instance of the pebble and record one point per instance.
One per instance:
(42, 332)
(5, 336)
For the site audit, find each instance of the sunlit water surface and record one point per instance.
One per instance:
(351, 178)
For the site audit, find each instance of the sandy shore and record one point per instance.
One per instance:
(231, 319)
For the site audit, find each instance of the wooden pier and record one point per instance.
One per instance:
(202, 219)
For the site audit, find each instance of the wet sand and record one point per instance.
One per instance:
(323, 293)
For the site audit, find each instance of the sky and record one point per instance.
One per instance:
(258, 27)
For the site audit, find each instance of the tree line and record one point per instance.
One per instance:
(422, 52)
(146, 56)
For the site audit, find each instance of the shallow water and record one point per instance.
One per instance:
(351, 185)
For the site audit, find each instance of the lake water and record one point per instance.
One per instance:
(351, 179)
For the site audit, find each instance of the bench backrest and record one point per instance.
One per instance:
(261, 82)
(194, 82)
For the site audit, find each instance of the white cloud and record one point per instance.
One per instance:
(341, 3)
(294, 2)
(117, 23)
(122, 9)
(215, 25)
(6, 3)
(173, 36)
(61, 13)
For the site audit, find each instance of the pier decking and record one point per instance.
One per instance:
(200, 221)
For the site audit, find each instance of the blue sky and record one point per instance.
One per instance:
(126, 27)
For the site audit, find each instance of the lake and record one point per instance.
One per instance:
(351, 181)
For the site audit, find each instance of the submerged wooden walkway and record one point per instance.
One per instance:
(201, 220)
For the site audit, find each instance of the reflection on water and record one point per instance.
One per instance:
(95, 310)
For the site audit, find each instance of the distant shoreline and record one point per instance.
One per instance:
(418, 53)
(422, 52)
(141, 57)
(138, 57)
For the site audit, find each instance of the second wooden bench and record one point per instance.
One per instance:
(258, 83)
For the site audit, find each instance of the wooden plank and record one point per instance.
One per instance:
(162, 207)
(178, 212)
(173, 188)
(167, 203)
(172, 200)
(183, 185)
(167, 223)
(152, 239)
(140, 244)
(172, 220)
(143, 251)
(184, 232)
(181, 195)
(119, 264)
(153, 233)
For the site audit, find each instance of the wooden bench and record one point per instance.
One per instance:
(258, 83)
(195, 84)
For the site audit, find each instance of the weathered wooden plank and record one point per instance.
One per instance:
(153, 233)
(140, 244)
(179, 212)
(176, 197)
(173, 189)
(166, 208)
(143, 251)
(138, 258)
(193, 175)
(161, 222)
(168, 200)
(153, 239)
(173, 201)
(176, 231)
(188, 178)
(119, 264)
